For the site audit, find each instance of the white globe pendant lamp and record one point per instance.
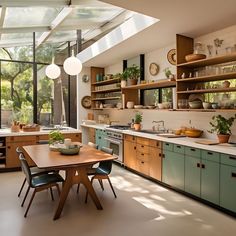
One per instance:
(53, 71)
(72, 65)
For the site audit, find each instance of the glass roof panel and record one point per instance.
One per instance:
(30, 16)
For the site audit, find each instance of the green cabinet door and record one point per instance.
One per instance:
(173, 169)
(210, 181)
(192, 175)
(228, 187)
(98, 138)
(103, 138)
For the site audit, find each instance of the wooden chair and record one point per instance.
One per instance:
(39, 182)
(34, 172)
(102, 172)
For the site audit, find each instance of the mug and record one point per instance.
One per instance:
(67, 142)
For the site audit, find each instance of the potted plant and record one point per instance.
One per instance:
(132, 74)
(122, 78)
(222, 126)
(137, 121)
(55, 136)
(168, 73)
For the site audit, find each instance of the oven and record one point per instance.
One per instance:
(115, 142)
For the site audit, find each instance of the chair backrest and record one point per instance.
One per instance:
(18, 150)
(25, 168)
(106, 165)
(93, 145)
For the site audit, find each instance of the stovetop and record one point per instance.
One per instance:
(119, 127)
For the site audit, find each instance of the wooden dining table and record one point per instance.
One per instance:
(75, 167)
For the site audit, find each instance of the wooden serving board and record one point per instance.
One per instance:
(207, 142)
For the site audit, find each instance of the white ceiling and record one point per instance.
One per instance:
(188, 17)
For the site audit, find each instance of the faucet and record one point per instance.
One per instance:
(159, 125)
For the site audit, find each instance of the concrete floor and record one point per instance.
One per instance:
(142, 208)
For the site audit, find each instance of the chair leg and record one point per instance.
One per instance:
(101, 184)
(32, 197)
(111, 187)
(78, 189)
(22, 186)
(26, 194)
(51, 194)
(58, 190)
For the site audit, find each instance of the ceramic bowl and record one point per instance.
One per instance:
(195, 104)
(214, 105)
(160, 106)
(72, 150)
(130, 105)
(193, 133)
(206, 105)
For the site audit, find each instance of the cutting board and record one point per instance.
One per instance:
(207, 142)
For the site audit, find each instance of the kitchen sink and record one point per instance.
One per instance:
(55, 128)
(150, 131)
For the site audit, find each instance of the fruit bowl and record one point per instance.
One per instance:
(193, 133)
(72, 150)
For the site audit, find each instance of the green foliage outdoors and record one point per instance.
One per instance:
(138, 118)
(221, 125)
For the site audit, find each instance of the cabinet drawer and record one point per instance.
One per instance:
(143, 156)
(73, 137)
(228, 159)
(210, 156)
(130, 138)
(154, 143)
(143, 141)
(168, 146)
(142, 167)
(142, 148)
(21, 138)
(194, 152)
(179, 148)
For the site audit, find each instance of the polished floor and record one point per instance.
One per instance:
(142, 208)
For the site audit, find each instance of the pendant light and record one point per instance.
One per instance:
(72, 65)
(53, 71)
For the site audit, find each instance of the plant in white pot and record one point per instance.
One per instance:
(137, 121)
(222, 126)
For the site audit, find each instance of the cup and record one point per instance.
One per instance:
(67, 142)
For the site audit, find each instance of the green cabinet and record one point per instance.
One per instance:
(173, 167)
(228, 187)
(100, 137)
(210, 181)
(192, 175)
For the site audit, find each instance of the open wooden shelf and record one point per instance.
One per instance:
(216, 90)
(110, 81)
(210, 61)
(159, 84)
(108, 98)
(2, 147)
(207, 110)
(209, 78)
(107, 90)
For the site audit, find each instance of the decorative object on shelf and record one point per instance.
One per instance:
(137, 121)
(206, 105)
(222, 126)
(31, 128)
(199, 48)
(167, 72)
(101, 106)
(171, 56)
(197, 104)
(194, 97)
(218, 42)
(119, 105)
(72, 65)
(183, 76)
(226, 84)
(182, 103)
(86, 102)
(85, 78)
(55, 136)
(154, 69)
(132, 74)
(53, 71)
(215, 105)
(194, 57)
(210, 50)
(15, 127)
(138, 106)
(130, 105)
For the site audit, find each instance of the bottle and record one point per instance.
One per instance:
(132, 124)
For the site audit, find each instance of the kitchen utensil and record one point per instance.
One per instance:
(207, 142)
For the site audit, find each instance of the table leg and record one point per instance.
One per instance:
(64, 193)
(83, 178)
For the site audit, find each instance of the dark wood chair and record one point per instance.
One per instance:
(34, 172)
(39, 182)
(102, 172)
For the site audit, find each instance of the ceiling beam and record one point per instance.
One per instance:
(55, 24)
(28, 3)
(27, 29)
(3, 13)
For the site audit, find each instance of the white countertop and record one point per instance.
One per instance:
(7, 132)
(190, 142)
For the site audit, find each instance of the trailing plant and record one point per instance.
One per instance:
(222, 125)
(167, 71)
(138, 118)
(55, 136)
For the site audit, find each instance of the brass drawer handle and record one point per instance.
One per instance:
(142, 146)
(142, 154)
(142, 162)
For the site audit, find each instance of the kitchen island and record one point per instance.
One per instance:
(9, 141)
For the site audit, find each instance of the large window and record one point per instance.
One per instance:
(27, 95)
